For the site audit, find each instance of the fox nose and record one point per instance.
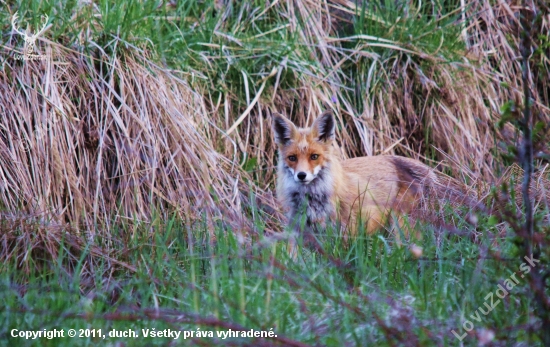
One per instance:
(301, 176)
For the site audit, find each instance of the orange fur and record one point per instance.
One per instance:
(367, 187)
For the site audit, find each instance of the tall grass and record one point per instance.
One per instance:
(182, 281)
(140, 96)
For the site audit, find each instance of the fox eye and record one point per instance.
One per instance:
(314, 156)
(292, 158)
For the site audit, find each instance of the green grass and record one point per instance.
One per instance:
(370, 291)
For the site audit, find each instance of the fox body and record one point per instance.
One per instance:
(313, 181)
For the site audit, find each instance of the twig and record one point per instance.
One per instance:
(536, 278)
(527, 150)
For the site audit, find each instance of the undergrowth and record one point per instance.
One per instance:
(337, 295)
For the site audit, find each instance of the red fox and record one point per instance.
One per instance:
(314, 184)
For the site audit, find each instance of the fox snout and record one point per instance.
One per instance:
(303, 171)
(303, 177)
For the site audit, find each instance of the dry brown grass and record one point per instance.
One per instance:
(417, 103)
(89, 142)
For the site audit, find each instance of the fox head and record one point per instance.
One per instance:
(304, 152)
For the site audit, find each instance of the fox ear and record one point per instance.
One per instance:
(283, 129)
(324, 127)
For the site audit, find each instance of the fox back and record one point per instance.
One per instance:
(313, 183)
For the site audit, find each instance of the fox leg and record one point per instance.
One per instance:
(374, 218)
(406, 228)
(292, 248)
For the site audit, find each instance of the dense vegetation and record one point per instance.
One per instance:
(137, 167)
